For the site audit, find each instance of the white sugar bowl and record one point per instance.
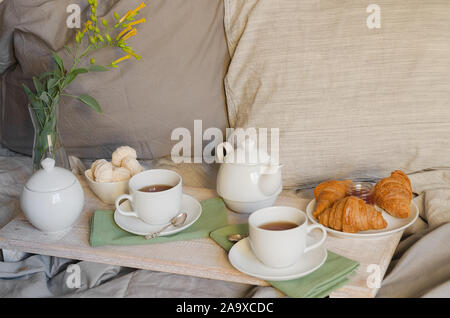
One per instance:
(52, 199)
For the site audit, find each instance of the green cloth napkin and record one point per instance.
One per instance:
(333, 274)
(104, 231)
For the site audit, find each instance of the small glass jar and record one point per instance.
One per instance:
(363, 190)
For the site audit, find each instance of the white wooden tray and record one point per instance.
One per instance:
(201, 257)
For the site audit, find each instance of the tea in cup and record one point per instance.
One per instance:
(278, 235)
(155, 196)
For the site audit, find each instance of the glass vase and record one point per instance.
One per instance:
(47, 141)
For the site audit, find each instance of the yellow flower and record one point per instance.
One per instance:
(130, 52)
(129, 34)
(136, 22)
(123, 32)
(86, 25)
(124, 17)
(132, 13)
(135, 11)
(126, 57)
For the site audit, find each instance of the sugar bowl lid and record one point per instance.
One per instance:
(50, 178)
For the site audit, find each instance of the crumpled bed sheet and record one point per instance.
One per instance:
(420, 267)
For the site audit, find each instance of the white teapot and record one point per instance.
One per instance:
(247, 181)
(52, 199)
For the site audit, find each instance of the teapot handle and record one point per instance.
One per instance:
(220, 149)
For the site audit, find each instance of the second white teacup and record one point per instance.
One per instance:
(278, 235)
(154, 207)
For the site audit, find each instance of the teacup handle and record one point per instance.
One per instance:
(126, 213)
(324, 236)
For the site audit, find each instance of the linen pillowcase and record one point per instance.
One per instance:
(350, 101)
(179, 78)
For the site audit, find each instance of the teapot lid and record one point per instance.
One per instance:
(248, 153)
(50, 178)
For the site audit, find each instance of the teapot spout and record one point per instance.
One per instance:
(270, 179)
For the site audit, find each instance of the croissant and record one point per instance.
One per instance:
(329, 192)
(394, 194)
(351, 215)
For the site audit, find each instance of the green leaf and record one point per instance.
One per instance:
(56, 99)
(28, 91)
(36, 104)
(44, 97)
(44, 75)
(98, 68)
(91, 102)
(69, 79)
(37, 86)
(80, 70)
(72, 75)
(68, 50)
(59, 61)
(52, 82)
(57, 72)
(34, 101)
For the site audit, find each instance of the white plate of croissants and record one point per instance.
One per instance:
(347, 215)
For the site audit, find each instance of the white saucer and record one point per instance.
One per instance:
(242, 258)
(134, 225)
(393, 224)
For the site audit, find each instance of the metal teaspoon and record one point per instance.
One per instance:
(177, 221)
(236, 237)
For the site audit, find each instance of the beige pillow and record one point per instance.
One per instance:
(178, 80)
(350, 101)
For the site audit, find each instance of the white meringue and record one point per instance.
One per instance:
(90, 175)
(122, 152)
(132, 165)
(97, 163)
(120, 174)
(104, 172)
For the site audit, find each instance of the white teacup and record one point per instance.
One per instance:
(153, 207)
(281, 248)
